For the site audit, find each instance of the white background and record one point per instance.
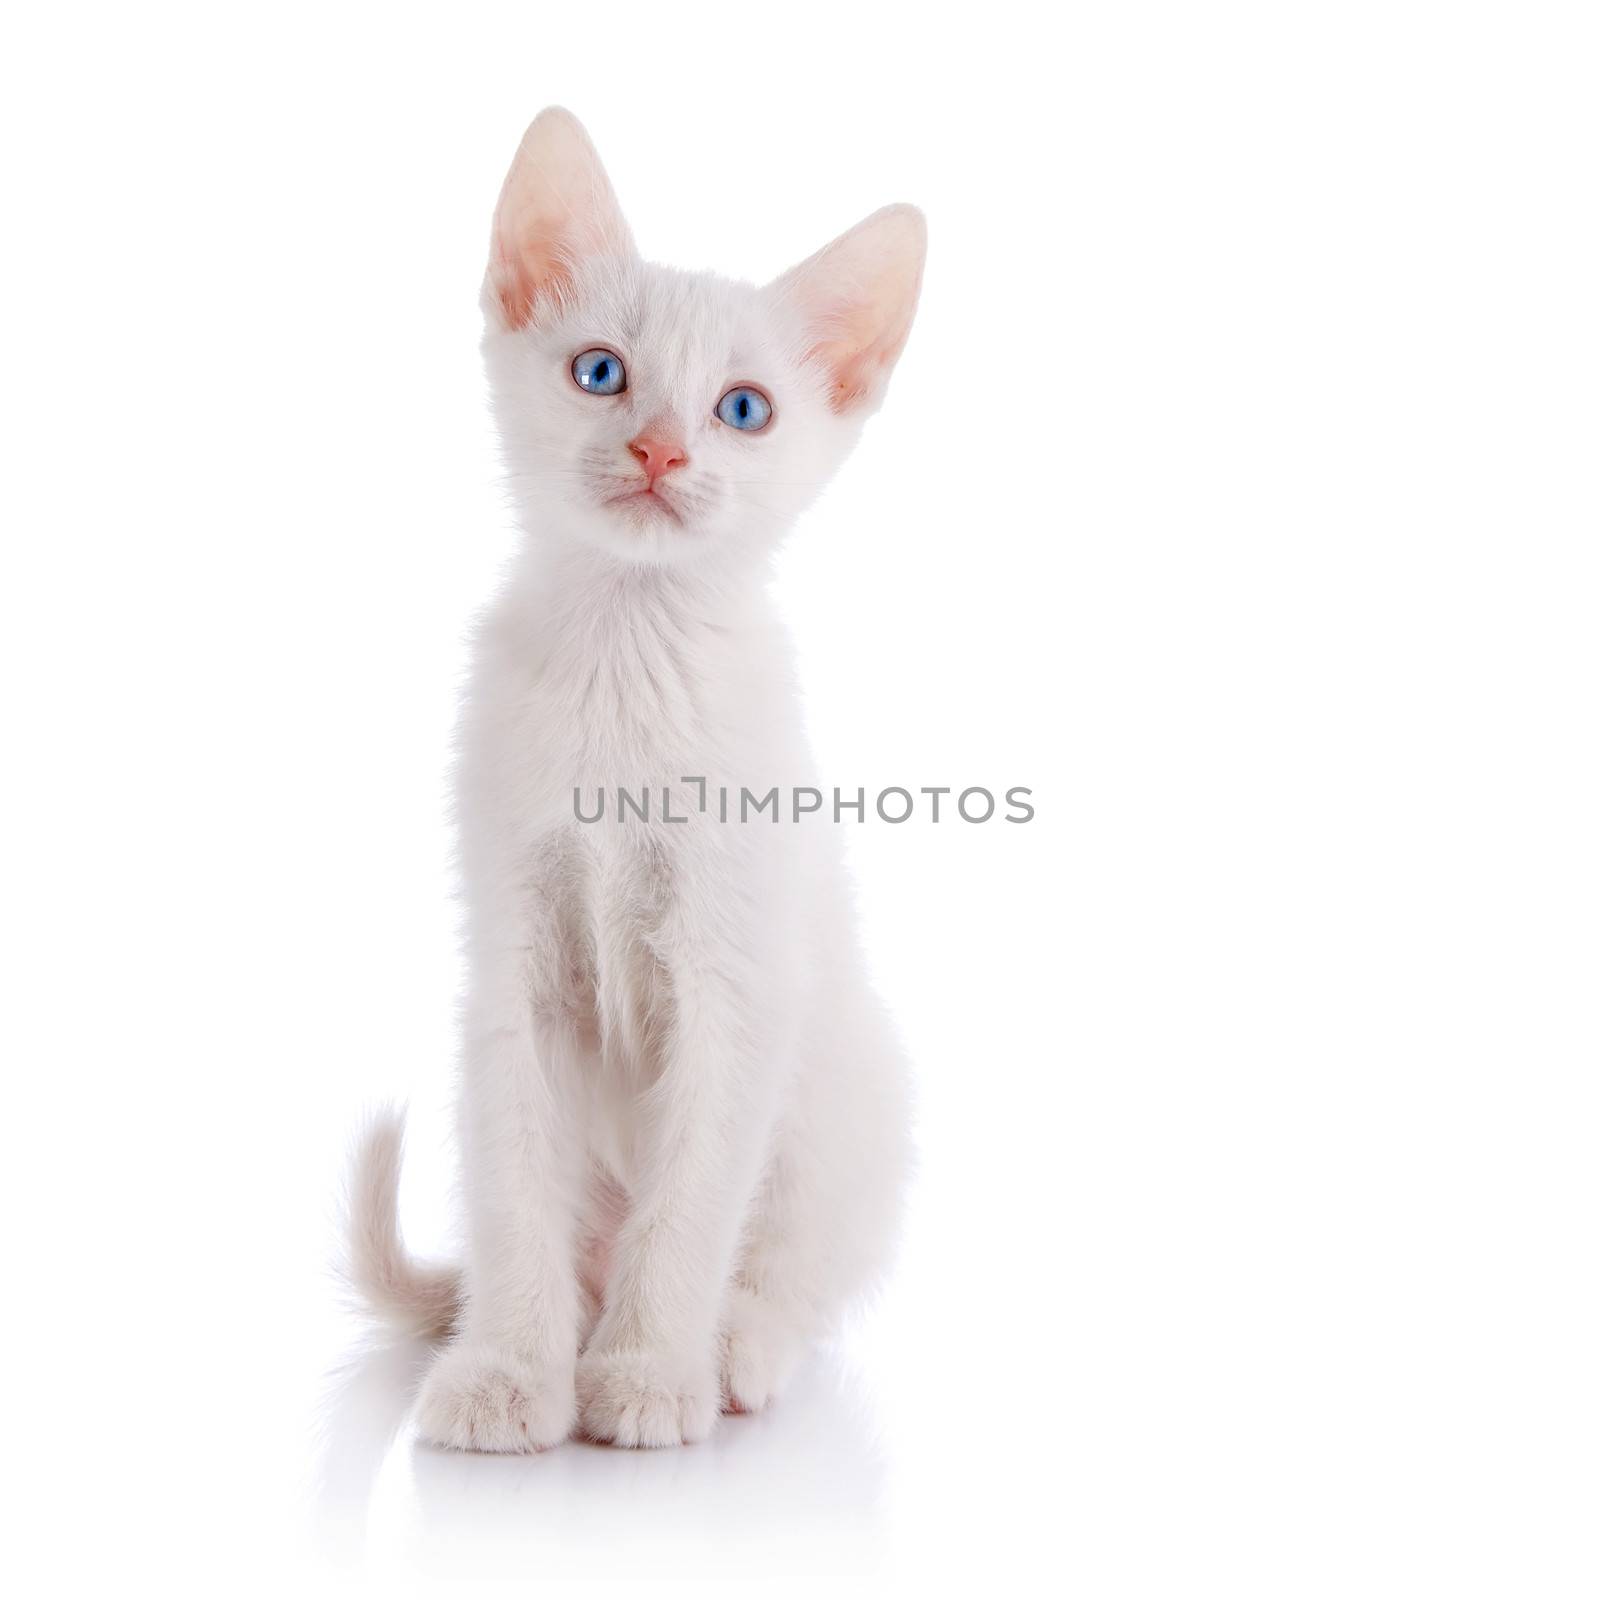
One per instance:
(1237, 493)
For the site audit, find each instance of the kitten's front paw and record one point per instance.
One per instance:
(478, 1397)
(760, 1347)
(633, 1397)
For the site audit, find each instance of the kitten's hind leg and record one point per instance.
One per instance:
(824, 1222)
(762, 1342)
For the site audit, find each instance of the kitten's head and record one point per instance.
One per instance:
(672, 416)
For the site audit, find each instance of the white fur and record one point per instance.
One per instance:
(683, 1115)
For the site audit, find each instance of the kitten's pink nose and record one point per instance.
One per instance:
(658, 455)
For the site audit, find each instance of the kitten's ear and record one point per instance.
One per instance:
(556, 208)
(858, 296)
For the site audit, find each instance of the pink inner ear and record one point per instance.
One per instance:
(859, 295)
(860, 355)
(525, 277)
(555, 208)
(856, 369)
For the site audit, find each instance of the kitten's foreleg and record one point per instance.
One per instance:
(648, 1376)
(506, 1382)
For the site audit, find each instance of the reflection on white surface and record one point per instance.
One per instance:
(799, 1488)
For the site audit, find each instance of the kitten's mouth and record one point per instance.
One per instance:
(645, 502)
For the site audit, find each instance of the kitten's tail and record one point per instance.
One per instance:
(414, 1296)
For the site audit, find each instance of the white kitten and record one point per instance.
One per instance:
(683, 1114)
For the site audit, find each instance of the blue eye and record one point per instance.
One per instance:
(745, 408)
(599, 372)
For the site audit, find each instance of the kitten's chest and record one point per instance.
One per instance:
(634, 714)
(574, 704)
(616, 730)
